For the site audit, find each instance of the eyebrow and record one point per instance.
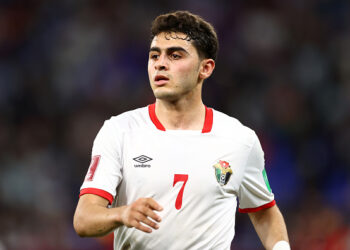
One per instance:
(169, 50)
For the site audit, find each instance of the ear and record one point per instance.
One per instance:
(206, 68)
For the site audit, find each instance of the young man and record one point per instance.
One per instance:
(172, 171)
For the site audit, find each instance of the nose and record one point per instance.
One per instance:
(161, 63)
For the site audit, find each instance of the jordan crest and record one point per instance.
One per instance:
(223, 172)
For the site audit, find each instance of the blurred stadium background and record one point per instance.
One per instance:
(66, 66)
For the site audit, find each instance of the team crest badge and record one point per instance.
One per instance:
(223, 172)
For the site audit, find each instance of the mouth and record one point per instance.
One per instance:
(160, 80)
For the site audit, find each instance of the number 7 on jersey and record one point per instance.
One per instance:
(178, 178)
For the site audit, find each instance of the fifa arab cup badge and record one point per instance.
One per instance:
(223, 172)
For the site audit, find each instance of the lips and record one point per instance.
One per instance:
(160, 80)
(160, 77)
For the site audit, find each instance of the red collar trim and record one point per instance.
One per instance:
(208, 121)
(153, 116)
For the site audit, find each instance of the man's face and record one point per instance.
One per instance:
(173, 66)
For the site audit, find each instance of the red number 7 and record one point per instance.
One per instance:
(177, 178)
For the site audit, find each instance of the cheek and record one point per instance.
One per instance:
(187, 70)
(148, 65)
(149, 69)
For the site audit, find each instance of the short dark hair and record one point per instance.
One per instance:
(201, 33)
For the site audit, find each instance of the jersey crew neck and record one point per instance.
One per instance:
(207, 126)
(184, 132)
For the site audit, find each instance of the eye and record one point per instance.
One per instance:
(175, 56)
(153, 56)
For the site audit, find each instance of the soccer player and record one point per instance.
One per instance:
(167, 176)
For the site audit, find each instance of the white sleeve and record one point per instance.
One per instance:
(105, 171)
(255, 192)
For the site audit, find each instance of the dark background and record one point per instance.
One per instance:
(66, 66)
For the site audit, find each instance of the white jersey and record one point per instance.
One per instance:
(195, 175)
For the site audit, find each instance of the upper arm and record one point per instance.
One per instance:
(105, 171)
(263, 214)
(89, 206)
(91, 200)
(86, 203)
(270, 226)
(254, 192)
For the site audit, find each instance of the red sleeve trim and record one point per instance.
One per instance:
(98, 192)
(256, 209)
(208, 122)
(153, 116)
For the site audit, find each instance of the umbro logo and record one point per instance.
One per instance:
(142, 159)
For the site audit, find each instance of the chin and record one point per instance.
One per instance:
(165, 95)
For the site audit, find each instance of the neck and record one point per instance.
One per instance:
(181, 114)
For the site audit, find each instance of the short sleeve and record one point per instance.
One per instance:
(105, 171)
(255, 192)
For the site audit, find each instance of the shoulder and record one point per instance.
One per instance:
(230, 127)
(129, 120)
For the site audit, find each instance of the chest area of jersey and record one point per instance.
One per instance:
(205, 161)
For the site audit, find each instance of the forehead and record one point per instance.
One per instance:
(172, 39)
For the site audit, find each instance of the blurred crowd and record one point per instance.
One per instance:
(66, 66)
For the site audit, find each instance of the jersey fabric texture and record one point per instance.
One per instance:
(196, 176)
